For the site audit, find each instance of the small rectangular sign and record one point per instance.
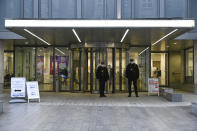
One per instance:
(32, 90)
(18, 87)
(153, 85)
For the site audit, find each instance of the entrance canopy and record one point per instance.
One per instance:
(134, 32)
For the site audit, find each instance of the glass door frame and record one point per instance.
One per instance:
(167, 52)
(185, 50)
(114, 49)
(93, 64)
(54, 70)
(13, 68)
(146, 48)
(85, 83)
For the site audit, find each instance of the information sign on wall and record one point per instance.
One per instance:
(18, 87)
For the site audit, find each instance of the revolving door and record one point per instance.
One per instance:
(85, 61)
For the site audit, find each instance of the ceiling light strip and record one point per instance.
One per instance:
(76, 35)
(60, 51)
(143, 50)
(164, 37)
(36, 36)
(124, 35)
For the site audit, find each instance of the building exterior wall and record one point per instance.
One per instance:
(96, 9)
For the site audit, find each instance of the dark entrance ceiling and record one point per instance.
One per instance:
(135, 37)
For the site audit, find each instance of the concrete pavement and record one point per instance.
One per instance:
(88, 112)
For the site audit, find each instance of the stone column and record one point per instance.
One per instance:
(1, 65)
(195, 65)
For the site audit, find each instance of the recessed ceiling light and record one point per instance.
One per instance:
(124, 35)
(143, 51)
(164, 37)
(76, 35)
(36, 36)
(174, 43)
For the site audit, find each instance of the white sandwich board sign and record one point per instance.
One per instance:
(33, 90)
(18, 87)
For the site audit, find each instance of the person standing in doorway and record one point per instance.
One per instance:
(102, 75)
(132, 74)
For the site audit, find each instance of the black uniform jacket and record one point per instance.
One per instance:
(132, 71)
(102, 73)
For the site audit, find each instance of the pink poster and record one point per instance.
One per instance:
(61, 62)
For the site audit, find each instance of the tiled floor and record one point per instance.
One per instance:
(88, 112)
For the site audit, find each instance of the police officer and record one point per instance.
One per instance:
(132, 74)
(103, 76)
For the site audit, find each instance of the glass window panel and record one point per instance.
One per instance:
(110, 70)
(62, 67)
(124, 64)
(76, 66)
(28, 8)
(159, 67)
(111, 9)
(117, 70)
(25, 62)
(189, 66)
(142, 61)
(93, 9)
(176, 8)
(146, 9)
(64, 8)
(44, 9)
(126, 10)
(44, 68)
(8, 68)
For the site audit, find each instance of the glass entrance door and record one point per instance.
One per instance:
(44, 68)
(76, 70)
(116, 60)
(159, 67)
(95, 57)
(141, 58)
(62, 68)
(25, 62)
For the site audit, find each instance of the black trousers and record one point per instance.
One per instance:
(101, 87)
(135, 86)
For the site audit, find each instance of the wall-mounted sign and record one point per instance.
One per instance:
(33, 90)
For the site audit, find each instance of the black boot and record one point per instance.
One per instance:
(129, 95)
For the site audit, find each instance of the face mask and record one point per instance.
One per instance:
(132, 62)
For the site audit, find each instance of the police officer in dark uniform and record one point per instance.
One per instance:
(103, 76)
(132, 74)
